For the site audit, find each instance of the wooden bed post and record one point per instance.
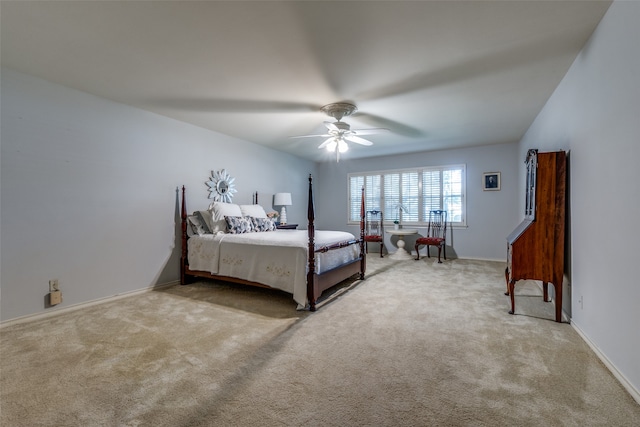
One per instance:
(311, 248)
(183, 256)
(363, 252)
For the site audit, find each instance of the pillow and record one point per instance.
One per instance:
(263, 224)
(205, 220)
(219, 211)
(194, 226)
(239, 224)
(255, 211)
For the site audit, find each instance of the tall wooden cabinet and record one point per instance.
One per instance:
(536, 247)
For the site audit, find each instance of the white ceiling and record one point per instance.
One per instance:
(437, 74)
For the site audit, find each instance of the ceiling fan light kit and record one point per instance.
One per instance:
(339, 144)
(340, 132)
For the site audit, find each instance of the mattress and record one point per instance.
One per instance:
(276, 258)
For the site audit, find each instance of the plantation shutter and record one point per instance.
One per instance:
(355, 199)
(410, 199)
(418, 191)
(452, 194)
(431, 197)
(391, 196)
(371, 194)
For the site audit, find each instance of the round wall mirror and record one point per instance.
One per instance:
(221, 187)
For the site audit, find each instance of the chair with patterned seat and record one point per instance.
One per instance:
(374, 231)
(436, 234)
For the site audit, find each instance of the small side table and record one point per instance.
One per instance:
(287, 226)
(401, 253)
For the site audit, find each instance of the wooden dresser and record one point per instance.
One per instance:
(536, 246)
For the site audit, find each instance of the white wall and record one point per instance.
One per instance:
(595, 115)
(491, 215)
(88, 192)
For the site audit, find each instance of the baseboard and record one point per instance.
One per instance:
(423, 253)
(635, 393)
(485, 259)
(57, 312)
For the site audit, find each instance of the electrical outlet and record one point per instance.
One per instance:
(53, 285)
(55, 297)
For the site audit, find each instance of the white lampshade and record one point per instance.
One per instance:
(282, 199)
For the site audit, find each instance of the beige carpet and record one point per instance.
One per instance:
(416, 344)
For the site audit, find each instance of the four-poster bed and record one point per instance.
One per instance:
(275, 259)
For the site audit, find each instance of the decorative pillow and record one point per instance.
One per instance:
(255, 211)
(219, 211)
(195, 226)
(205, 220)
(263, 224)
(239, 224)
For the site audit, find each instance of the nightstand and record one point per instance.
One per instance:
(287, 226)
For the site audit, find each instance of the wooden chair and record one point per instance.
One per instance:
(436, 234)
(374, 229)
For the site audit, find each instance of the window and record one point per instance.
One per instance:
(408, 195)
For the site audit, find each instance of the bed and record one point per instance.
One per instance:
(304, 263)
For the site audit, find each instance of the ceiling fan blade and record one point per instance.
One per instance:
(331, 126)
(325, 143)
(229, 105)
(398, 128)
(358, 140)
(309, 136)
(372, 131)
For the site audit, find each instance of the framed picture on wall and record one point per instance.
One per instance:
(491, 181)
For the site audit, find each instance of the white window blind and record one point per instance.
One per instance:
(372, 189)
(391, 195)
(452, 191)
(355, 197)
(409, 195)
(372, 184)
(431, 196)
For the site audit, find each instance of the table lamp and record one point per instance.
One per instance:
(282, 199)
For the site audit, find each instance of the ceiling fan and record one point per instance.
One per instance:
(339, 132)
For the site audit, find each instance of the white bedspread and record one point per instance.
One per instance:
(276, 258)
